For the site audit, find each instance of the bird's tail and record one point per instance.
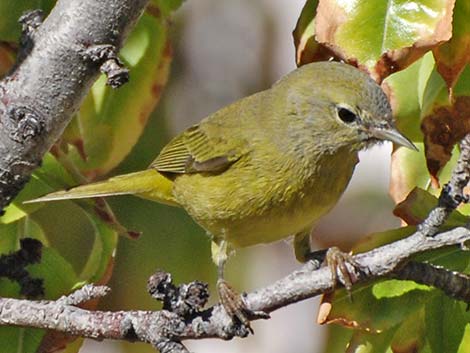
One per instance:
(149, 184)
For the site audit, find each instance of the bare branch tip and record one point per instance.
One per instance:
(86, 293)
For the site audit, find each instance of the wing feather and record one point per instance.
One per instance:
(193, 151)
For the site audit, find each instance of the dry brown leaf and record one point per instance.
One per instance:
(443, 128)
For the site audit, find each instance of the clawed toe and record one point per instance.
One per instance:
(235, 306)
(343, 267)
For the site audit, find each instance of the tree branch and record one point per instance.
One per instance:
(58, 62)
(183, 319)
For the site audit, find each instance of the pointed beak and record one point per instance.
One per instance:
(392, 134)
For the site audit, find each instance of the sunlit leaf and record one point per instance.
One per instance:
(464, 346)
(384, 36)
(396, 288)
(452, 56)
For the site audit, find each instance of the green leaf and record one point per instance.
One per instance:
(9, 234)
(396, 288)
(57, 273)
(384, 304)
(372, 314)
(363, 342)
(417, 205)
(452, 56)
(338, 339)
(410, 334)
(445, 324)
(464, 345)
(11, 11)
(101, 257)
(452, 258)
(384, 36)
(110, 121)
(49, 177)
(20, 340)
(405, 89)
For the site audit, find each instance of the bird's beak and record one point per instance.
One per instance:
(392, 134)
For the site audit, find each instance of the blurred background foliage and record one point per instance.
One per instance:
(189, 59)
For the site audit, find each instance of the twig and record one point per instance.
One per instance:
(454, 284)
(452, 194)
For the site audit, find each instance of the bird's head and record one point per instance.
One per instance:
(342, 105)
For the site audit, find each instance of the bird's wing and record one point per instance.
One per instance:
(197, 150)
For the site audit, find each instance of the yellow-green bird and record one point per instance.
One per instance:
(267, 166)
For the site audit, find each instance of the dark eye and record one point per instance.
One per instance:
(346, 115)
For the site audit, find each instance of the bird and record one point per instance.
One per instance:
(266, 167)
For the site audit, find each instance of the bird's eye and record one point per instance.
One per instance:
(346, 115)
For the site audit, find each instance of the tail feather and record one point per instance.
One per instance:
(148, 184)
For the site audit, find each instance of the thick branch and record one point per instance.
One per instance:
(59, 61)
(166, 329)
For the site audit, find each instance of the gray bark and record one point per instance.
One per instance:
(59, 61)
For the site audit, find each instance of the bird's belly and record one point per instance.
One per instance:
(278, 222)
(245, 214)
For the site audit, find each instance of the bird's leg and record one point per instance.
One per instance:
(230, 299)
(303, 254)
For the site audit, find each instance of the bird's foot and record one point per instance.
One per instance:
(235, 305)
(343, 267)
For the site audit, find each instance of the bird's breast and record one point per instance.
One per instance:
(247, 205)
